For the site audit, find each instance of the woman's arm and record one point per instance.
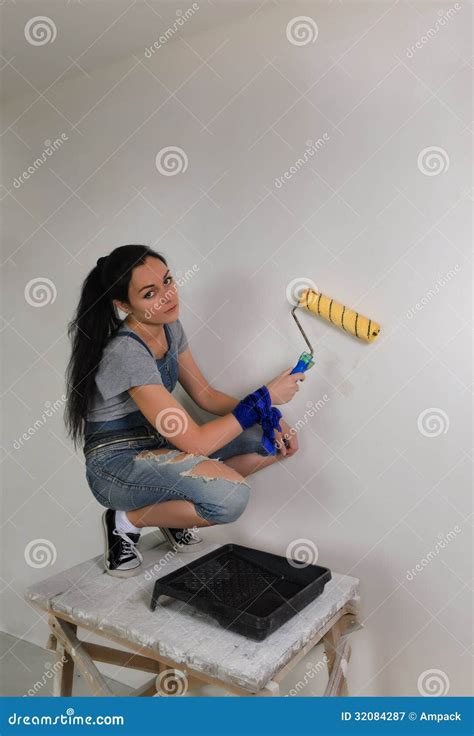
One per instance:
(220, 403)
(199, 389)
(171, 420)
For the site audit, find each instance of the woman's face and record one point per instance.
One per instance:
(152, 293)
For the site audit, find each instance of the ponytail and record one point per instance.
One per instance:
(93, 324)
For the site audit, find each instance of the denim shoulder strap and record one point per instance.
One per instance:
(127, 333)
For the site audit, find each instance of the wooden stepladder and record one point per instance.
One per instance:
(71, 651)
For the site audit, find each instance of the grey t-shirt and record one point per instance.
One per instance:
(125, 363)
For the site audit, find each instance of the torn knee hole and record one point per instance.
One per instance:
(174, 456)
(181, 456)
(169, 456)
(210, 477)
(191, 472)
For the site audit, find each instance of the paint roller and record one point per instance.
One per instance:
(339, 315)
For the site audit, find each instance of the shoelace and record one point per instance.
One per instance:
(127, 547)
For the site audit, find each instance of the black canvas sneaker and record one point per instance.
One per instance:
(121, 557)
(182, 540)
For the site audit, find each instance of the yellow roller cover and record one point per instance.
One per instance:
(353, 322)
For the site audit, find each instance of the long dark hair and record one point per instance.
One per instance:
(93, 324)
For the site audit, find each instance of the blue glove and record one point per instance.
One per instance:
(269, 424)
(253, 408)
(257, 408)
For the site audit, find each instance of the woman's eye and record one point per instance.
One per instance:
(167, 279)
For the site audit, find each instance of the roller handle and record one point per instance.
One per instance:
(305, 362)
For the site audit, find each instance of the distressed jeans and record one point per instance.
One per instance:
(123, 473)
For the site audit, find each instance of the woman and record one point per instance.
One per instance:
(147, 461)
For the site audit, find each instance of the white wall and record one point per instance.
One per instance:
(372, 486)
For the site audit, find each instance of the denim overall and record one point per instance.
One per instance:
(136, 424)
(119, 480)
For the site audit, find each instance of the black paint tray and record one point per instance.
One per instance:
(245, 590)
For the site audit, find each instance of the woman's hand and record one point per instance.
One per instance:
(283, 388)
(289, 435)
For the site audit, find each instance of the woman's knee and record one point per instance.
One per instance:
(229, 492)
(234, 504)
(230, 489)
(229, 508)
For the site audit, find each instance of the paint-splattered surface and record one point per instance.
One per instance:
(121, 607)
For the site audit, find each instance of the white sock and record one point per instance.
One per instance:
(123, 523)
